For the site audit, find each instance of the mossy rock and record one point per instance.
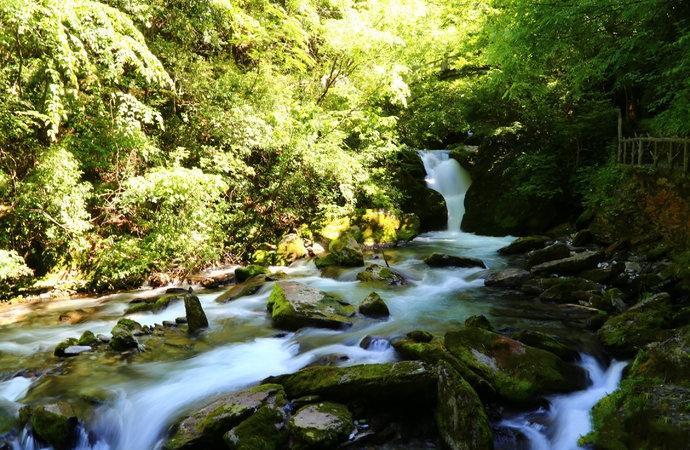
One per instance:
(123, 335)
(519, 373)
(410, 382)
(155, 304)
(460, 417)
(196, 317)
(50, 426)
(524, 245)
(263, 430)
(294, 305)
(8, 416)
(646, 322)
(665, 362)
(290, 248)
(321, 425)
(60, 348)
(244, 273)
(443, 260)
(507, 278)
(249, 287)
(640, 415)
(205, 427)
(343, 251)
(88, 338)
(571, 265)
(557, 250)
(377, 274)
(547, 342)
(374, 306)
(478, 322)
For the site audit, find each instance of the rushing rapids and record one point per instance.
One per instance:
(144, 395)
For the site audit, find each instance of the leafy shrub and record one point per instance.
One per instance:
(13, 272)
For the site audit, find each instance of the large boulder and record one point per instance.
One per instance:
(375, 273)
(524, 245)
(205, 427)
(460, 417)
(294, 305)
(443, 260)
(569, 290)
(343, 251)
(374, 306)
(50, 426)
(538, 286)
(571, 265)
(408, 382)
(518, 372)
(648, 321)
(547, 342)
(507, 278)
(321, 425)
(290, 248)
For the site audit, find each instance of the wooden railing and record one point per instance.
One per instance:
(669, 153)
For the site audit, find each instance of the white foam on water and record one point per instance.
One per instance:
(569, 415)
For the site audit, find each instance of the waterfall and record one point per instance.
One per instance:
(447, 177)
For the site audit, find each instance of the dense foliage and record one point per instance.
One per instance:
(145, 136)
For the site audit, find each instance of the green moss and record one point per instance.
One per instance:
(249, 287)
(478, 322)
(322, 425)
(60, 348)
(153, 305)
(306, 307)
(88, 338)
(375, 273)
(264, 430)
(55, 429)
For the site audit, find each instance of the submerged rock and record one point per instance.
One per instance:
(322, 425)
(196, 317)
(50, 426)
(375, 273)
(507, 278)
(374, 306)
(571, 265)
(244, 273)
(524, 244)
(205, 427)
(294, 305)
(460, 417)
(407, 381)
(443, 260)
(343, 251)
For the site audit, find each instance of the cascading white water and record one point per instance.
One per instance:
(447, 177)
(568, 416)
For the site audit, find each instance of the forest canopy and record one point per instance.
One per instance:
(141, 136)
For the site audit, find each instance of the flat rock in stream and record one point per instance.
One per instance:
(321, 425)
(558, 250)
(378, 274)
(205, 427)
(524, 244)
(507, 278)
(443, 260)
(571, 265)
(249, 287)
(295, 305)
(405, 382)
